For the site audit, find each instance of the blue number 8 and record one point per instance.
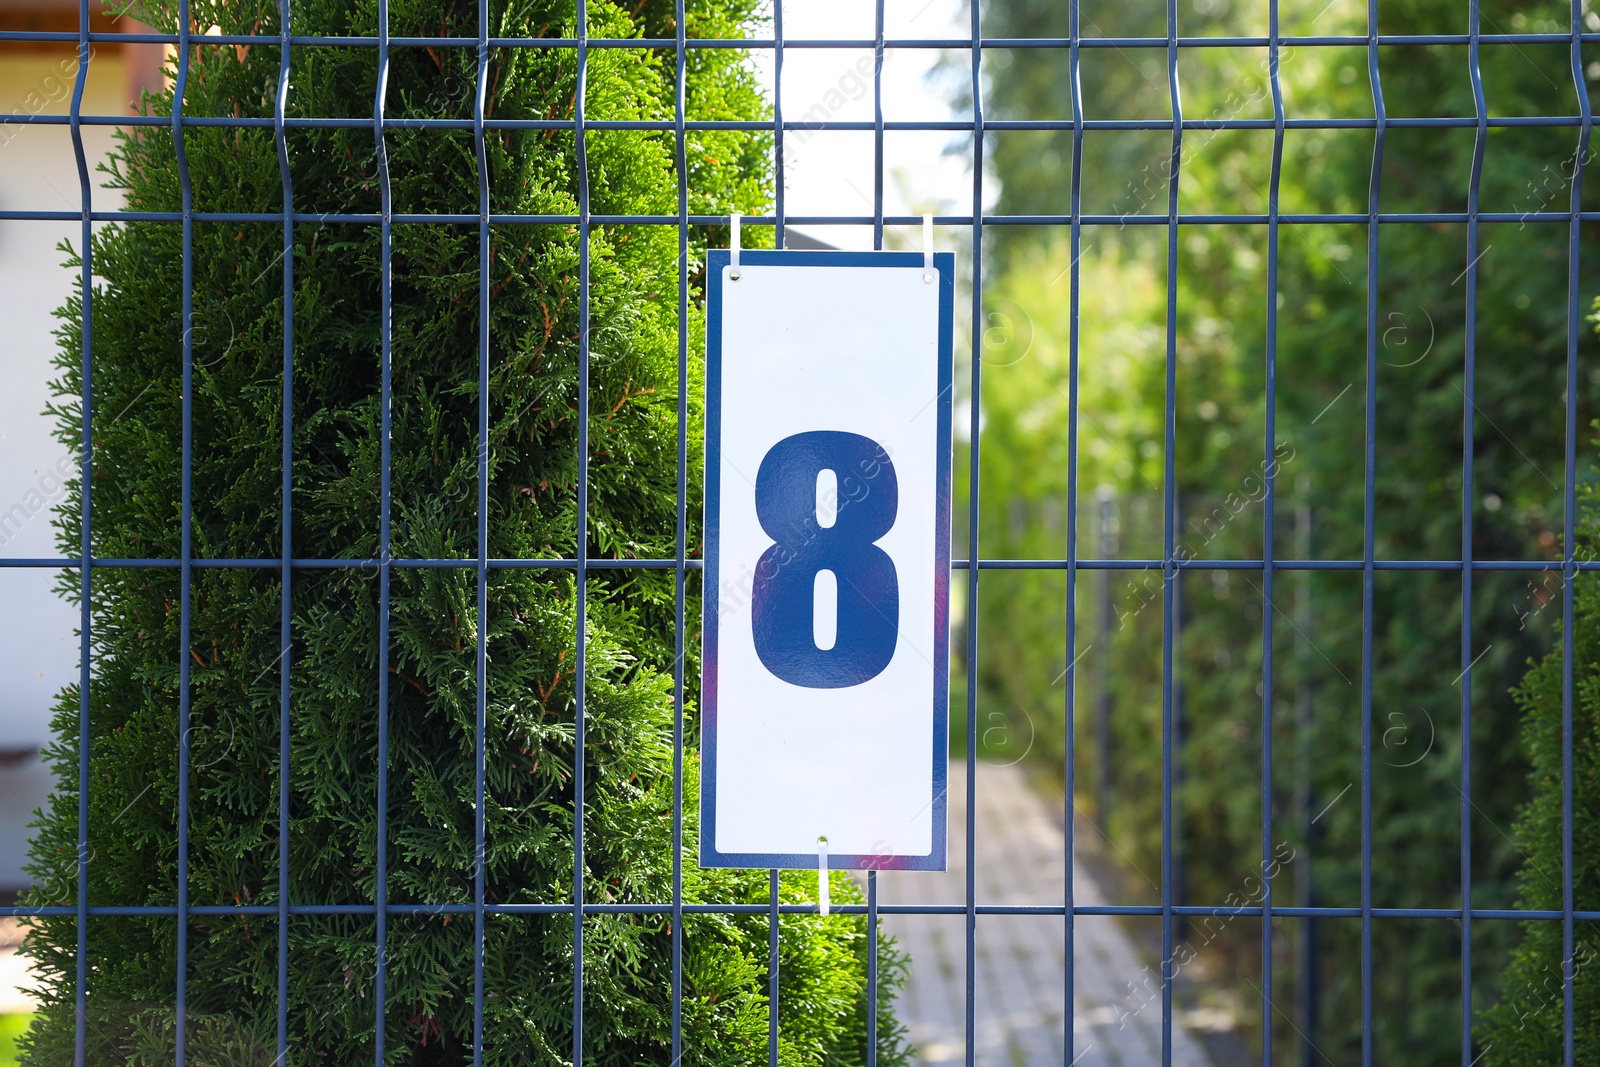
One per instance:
(783, 591)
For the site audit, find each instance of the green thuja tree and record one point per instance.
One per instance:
(1526, 1027)
(234, 653)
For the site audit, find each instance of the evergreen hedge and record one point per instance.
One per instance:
(234, 647)
(1525, 1028)
(1519, 323)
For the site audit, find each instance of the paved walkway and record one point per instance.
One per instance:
(1021, 985)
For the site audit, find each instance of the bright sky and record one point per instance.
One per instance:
(831, 173)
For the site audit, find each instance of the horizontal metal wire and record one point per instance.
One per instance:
(1418, 122)
(1197, 910)
(1197, 219)
(73, 563)
(831, 44)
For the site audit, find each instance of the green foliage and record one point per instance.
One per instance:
(1316, 450)
(234, 652)
(1524, 1028)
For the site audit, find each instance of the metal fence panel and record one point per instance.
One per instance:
(1169, 566)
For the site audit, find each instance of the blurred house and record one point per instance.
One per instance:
(38, 172)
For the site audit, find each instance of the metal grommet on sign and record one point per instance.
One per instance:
(822, 876)
(733, 247)
(928, 273)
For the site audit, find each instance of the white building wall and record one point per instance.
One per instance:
(38, 638)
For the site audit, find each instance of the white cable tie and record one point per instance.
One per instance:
(822, 875)
(928, 274)
(733, 247)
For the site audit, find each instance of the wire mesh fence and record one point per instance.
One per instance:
(480, 215)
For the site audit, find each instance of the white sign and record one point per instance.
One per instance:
(827, 560)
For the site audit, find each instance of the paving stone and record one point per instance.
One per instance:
(1020, 960)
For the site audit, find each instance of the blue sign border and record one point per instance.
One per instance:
(945, 264)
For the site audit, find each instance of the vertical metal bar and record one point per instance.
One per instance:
(681, 539)
(385, 471)
(877, 244)
(1069, 1038)
(185, 537)
(580, 664)
(1269, 533)
(1102, 673)
(1368, 519)
(1169, 573)
(777, 118)
(1180, 726)
(286, 547)
(480, 739)
(772, 878)
(1569, 535)
(85, 540)
(872, 968)
(772, 968)
(1468, 413)
(877, 127)
(1305, 892)
(976, 46)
